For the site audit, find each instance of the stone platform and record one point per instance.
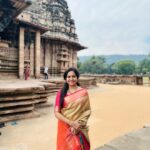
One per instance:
(20, 99)
(85, 82)
(136, 140)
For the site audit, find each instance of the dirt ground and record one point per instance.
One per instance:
(116, 110)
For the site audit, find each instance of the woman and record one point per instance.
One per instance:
(27, 72)
(72, 108)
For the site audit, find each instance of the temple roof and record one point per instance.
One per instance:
(33, 26)
(61, 2)
(54, 15)
(51, 17)
(9, 9)
(77, 44)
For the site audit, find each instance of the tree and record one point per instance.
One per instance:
(126, 67)
(144, 66)
(95, 64)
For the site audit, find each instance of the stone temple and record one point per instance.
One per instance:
(38, 32)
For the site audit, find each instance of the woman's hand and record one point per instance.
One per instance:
(75, 124)
(74, 131)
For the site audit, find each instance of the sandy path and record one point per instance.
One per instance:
(116, 110)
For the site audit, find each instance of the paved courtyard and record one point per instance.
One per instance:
(116, 110)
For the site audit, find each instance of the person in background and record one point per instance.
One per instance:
(72, 109)
(27, 72)
(46, 72)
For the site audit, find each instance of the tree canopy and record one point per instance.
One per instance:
(126, 67)
(98, 65)
(95, 64)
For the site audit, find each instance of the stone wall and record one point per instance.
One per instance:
(8, 61)
(118, 79)
(57, 56)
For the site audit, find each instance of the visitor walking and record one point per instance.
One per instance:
(46, 72)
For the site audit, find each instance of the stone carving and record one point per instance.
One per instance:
(42, 34)
(55, 16)
(9, 9)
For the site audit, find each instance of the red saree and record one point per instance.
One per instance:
(27, 72)
(76, 108)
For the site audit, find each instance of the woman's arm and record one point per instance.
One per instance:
(62, 118)
(57, 110)
(74, 124)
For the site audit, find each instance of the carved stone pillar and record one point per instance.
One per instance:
(32, 59)
(37, 54)
(54, 58)
(71, 57)
(21, 53)
(51, 57)
(47, 55)
(74, 58)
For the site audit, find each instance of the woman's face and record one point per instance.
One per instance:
(71, 78)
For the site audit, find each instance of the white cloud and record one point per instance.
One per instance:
(112, 26)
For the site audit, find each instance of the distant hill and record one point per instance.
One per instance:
(115, 58)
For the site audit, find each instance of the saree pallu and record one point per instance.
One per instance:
(76, 108)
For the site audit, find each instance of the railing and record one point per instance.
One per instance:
(53, 71)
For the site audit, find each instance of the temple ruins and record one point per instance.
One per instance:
(39, 33)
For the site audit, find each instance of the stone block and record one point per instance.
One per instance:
(138, 140)
(105, 148)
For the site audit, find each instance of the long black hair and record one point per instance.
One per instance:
(66, 86)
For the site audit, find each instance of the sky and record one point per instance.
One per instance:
(112, 26)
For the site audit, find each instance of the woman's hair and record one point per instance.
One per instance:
(66, 86)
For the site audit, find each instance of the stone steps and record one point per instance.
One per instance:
(25, 97)
(18, 116)
(18, 100)
(136, 140)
